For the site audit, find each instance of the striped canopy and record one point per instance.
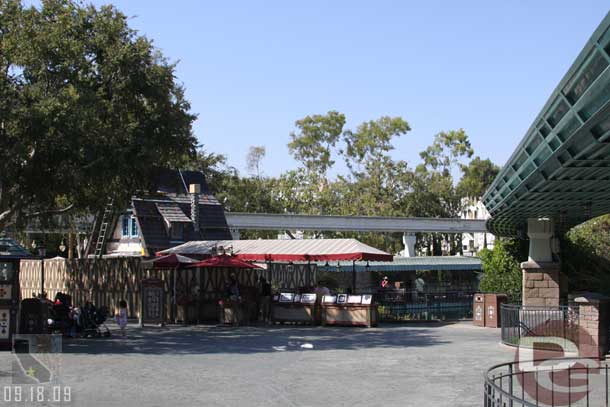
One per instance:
(283, 250)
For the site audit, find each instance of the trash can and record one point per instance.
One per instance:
(34, 316)
(492, 309)
(478, 309)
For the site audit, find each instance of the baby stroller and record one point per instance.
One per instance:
(91, 320)
(61, 315)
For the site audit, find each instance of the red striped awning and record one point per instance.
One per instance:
(224, 261)
(283, 250)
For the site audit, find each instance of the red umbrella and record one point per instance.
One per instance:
(170, 261)
(225, 261)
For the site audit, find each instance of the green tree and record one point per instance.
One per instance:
(501, 267)
(254, 160)
(213, 165)
(435, 193)
(88, 109)
(314, 140)
(447, 150)
(585, 256)
(477, 177)
(368, 146)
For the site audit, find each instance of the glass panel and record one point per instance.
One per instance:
(533, 144)
(542, 156)
(560, 110)
(554, 143)
(599, 97)
(125, 225)
(134, 227)
(544, 130)
(602, 128)
(568, 129)
(583, 79)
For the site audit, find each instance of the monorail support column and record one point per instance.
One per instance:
(235, 234)
(409, 239)
(542, 278)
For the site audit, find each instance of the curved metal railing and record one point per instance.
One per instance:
(519, 321)
(547, 382)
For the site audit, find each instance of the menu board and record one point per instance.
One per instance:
(7, 271)
(308, 298)
(153, 304)
(329, 299)
(354, 299)
(286, 297)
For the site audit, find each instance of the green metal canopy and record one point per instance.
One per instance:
(453, 263)
(561, 168)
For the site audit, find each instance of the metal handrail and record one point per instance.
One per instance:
(497, 395)
(518, 320)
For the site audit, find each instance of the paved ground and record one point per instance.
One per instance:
(393, 365)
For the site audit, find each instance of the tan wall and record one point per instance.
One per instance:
(107, 281)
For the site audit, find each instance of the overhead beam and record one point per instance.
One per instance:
(266, 221)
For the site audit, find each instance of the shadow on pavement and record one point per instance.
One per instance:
(207, 339)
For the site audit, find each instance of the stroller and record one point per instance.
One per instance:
(91, 321)
(84, 321)
(61, 315)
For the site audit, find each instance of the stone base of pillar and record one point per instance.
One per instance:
(541, 284)
(593, 313)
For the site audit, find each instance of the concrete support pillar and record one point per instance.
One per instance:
(235, 234)
(542, 279)
(408, 239)
(593, 316)
(540, 232)
(541, 284)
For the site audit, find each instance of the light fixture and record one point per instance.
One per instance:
(62, 246)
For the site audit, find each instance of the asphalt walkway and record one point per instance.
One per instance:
(392, 365)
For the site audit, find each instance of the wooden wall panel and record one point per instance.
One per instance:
(107, 281)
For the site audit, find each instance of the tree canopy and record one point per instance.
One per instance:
(89, 109)
(372, 183)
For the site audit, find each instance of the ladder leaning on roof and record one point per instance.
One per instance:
(106, 221)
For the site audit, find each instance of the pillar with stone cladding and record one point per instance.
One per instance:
(542, 279)
(593, 322)
(541, 284)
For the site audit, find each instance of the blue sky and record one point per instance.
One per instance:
(252, 68)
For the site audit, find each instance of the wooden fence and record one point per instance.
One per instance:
(107, 281)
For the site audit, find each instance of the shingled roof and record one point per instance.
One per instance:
(153, 213)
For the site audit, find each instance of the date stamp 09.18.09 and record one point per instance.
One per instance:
(30, 376)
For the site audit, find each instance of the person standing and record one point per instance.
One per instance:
(264, 289)
(121, 318)
(321, 290)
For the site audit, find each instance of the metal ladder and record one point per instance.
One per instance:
(106, 220)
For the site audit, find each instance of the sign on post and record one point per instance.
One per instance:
(153, 302)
